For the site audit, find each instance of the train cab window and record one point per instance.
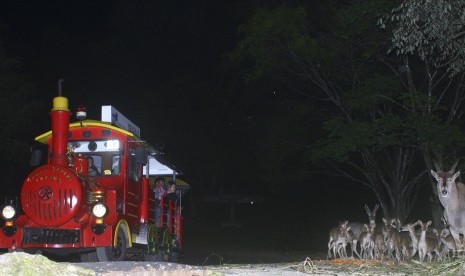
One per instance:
(115, 164)
(106, 154)
(96, 168)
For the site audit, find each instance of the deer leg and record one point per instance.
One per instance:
(398, 254)
(337, 250)
(420, 255)
(330, 247)
(354, 248)
(343, 250)
(458, 242)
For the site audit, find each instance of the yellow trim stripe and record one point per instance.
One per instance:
(129, 235)
(43, 138)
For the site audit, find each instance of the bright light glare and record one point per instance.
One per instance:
(99, 210)
(113, 144)
(8, 212)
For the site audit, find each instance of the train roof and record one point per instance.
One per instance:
(43, 138)
(157, 166)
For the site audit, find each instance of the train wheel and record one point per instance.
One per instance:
(168, 254)
(111, 253)
(152, 253)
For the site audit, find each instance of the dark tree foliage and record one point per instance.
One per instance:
(427, 39)
(18, 110)
(375, 125)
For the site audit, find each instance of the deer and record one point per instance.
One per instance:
(367, 243)
(405, 245)
(447, 241)
(452, 197)
(380, 246)
(410, 228)
(358, 228)
(339, 237)
(439, 250)
(392, 238)
(426, 245)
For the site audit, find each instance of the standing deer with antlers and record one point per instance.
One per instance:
(452, 197)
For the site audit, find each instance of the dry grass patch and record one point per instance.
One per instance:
(376, 267)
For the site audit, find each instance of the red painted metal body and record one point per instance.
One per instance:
(51, 195)
(57, 197)
(60, 125)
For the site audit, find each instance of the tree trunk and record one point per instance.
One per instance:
(437, 212)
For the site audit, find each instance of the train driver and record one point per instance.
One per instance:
(93, 171)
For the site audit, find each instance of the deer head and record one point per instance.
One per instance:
(371, 214)
(444, 180)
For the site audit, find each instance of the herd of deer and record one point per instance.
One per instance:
(391, 240)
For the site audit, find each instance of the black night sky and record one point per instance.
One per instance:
(162, 64)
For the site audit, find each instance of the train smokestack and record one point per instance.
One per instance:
(60, 116)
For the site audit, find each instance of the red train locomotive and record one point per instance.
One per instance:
(102, 208)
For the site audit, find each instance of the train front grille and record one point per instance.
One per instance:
(50, 236)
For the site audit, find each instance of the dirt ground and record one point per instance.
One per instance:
(258, 236)
(266, 240)
(253, 248)
(216, 245)
(256, 248)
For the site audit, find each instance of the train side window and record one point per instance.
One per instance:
(133, 165)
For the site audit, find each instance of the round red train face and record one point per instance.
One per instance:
(51, 195)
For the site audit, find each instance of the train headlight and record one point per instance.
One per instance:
(8, 212)
(99, 210)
